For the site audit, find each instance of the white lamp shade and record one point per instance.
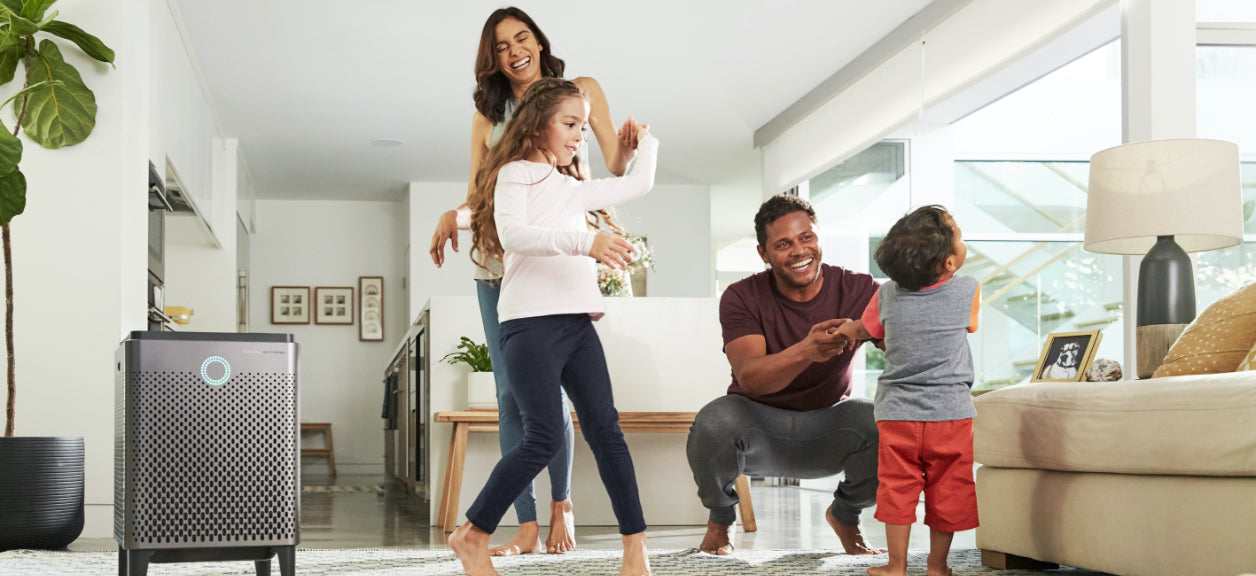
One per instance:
(1186, 188)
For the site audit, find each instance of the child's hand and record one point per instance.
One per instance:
(612, 251)
(854, 332)
(643, 130)
(848, 331)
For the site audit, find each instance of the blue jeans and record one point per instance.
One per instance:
(545, 355)
(510, 421)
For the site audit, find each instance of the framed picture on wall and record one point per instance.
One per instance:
(333, 305)
(371, 308)
(1066, 355)
(289, 304)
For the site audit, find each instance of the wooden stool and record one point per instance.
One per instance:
(329, 451)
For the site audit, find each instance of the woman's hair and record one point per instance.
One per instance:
(492, 89)
(531, 118)
(912, 253)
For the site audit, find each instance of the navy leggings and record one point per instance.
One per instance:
(510, 422)
(545, 354)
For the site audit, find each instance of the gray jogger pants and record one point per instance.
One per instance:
(734, 435)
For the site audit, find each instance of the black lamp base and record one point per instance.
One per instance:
(1166, 302)
(1166, 285)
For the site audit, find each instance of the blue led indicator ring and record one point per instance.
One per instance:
(226, 371)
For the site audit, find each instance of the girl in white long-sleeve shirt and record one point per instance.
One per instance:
(536, 217)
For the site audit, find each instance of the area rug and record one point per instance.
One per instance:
(404, 561)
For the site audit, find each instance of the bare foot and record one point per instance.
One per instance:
(562, 536)
(471, 546)
(941, 571)
(851, 536)
(636, 559)
(888, 570)
(527, 541)
(718, 539)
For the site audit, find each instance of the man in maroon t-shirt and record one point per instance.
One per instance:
(788, 410)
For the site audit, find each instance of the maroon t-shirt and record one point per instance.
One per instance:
(755, 306)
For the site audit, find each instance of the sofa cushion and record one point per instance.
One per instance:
(1217, 340)
(1249, 362)
(1202, 425)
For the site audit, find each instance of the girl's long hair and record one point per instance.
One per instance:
(492, 89)
(531, 117)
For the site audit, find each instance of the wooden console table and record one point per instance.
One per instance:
(486, 421)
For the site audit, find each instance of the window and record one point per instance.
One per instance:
(1226, 88)
(1020, 175)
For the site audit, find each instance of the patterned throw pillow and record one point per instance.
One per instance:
(1248, 363)
(1218, 340)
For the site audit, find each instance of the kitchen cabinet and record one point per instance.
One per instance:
(406, 414)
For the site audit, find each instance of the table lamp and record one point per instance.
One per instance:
(1164, 198)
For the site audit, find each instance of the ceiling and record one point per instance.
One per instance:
(306, 85)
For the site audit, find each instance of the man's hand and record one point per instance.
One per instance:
(825, 340)
(446, 230)
(760, 373)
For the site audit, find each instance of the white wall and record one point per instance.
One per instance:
(200, 275)
(183, 123)
(79, 252)
(427, 201)
(677, 220)
(332, 243)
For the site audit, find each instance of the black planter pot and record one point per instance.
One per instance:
(41, 492)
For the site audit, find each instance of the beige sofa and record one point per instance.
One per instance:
(1137, 478)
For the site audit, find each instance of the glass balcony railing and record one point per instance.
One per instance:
(1041, 288)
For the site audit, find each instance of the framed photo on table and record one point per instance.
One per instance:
(289, 304)
(333, 305)
(371, 308)
(1066, 355)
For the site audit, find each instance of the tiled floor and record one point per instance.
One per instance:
(788, 518)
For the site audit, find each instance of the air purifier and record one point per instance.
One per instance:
(206, 450)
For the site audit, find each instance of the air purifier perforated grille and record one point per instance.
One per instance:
(213, 464)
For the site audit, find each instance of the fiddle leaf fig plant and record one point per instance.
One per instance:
(54, 106)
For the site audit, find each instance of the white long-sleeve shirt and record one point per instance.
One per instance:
(541, 224)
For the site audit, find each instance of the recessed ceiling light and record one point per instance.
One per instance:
(386, 143)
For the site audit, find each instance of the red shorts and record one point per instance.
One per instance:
(936, 457)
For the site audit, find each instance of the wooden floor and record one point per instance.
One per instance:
(788, 517)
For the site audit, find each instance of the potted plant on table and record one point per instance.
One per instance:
(481, 386)
(41, 488)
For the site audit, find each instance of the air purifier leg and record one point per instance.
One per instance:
(287, 560)
(121, 561)
(263, 567)
(137, 562)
